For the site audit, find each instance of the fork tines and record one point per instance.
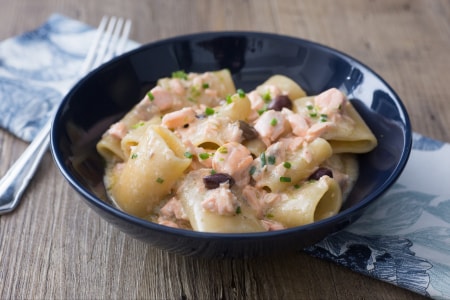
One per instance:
(110, 41)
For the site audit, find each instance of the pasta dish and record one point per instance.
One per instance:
(199, 154)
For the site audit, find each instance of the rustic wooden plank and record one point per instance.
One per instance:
(54, 246)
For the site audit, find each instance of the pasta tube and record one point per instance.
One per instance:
(155, 164)
(313, 201)
(193, 195)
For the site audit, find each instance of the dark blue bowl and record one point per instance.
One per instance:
(104, 96)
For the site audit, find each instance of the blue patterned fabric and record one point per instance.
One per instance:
(37, 69)
(403, 239)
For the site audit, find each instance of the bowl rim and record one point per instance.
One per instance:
(342, 216)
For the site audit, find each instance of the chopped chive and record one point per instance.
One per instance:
(285, 179)
(180, 74)
(274, 122)
(287, 165)
(213, 172)
(159, 180)
(297, 186)
(266, 97)
(271, 160)
(241, 93)
(228, 99)
(313, 115)
(222, 149)
(262, 110)
(252, 170)
(309, 107)
(203, 156)
(238, 210)
(150, 96)
(137, 125)
(205, 85)
(262, 156)
(134, 155)
(209, 111)
(188, 154)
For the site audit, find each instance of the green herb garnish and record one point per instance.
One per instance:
(323, 117)
(137, 125)
(180, 74)
(271, 159)
(209, 111)
(203, 156)
(252, 170)
(262, 157)
(266, 97)
(222, 149)
(285, 179)
(262, 110)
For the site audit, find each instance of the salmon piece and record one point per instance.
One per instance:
(318, 130)
(172, 214)
(211, 93)
(221, 200)
(259, 200)
(234, 159)
(253, 197)
(173, 210)
(271, 125)
(272, 89)
(118, 130)
(272, 225)
(168, 223)
(177, 87)
(330, 101)
(257, 104)
(179, 118)
(162, 98)
(292, 143)
(298, 123)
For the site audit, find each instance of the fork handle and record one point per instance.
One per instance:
(15, 181)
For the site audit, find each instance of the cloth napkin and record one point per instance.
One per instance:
(403, 238)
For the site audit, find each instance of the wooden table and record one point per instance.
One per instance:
(53, 246)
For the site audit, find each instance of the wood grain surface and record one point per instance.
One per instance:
(54, 247)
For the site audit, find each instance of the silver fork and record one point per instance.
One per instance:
(110, 40)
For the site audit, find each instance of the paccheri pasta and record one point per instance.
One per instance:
(198, 154)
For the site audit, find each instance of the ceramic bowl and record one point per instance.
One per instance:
(106, 94)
